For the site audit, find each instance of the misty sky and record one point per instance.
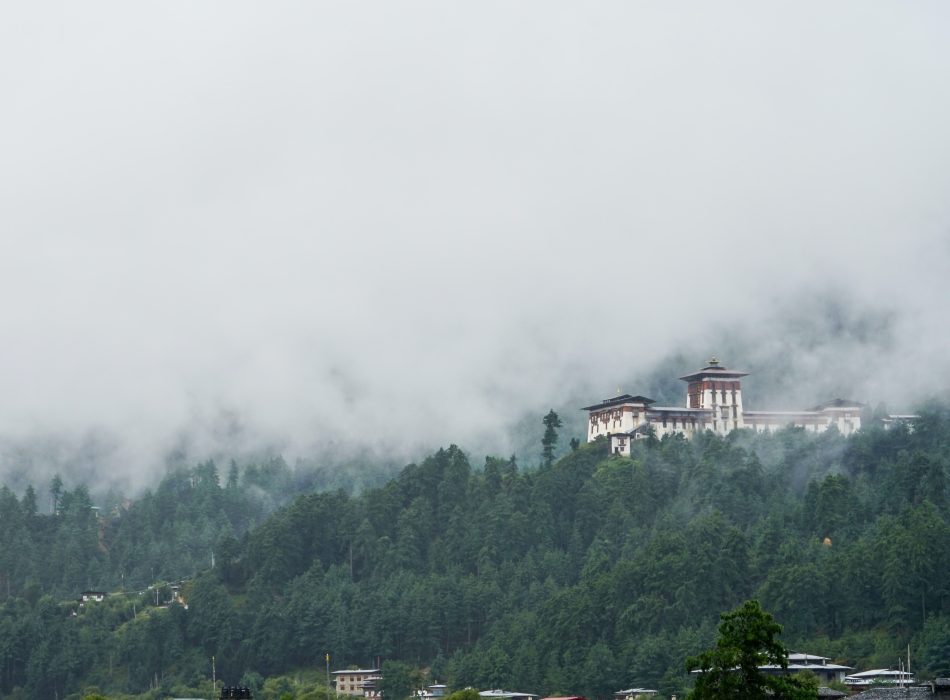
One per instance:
(232, 225)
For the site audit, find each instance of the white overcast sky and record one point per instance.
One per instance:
(414, 223)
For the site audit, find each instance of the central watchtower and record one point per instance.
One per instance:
(717, 388)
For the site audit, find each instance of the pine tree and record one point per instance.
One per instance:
(55, 492)
(549, 441)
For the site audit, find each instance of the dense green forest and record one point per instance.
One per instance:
(585, 574)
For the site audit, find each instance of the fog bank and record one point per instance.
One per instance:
(231, 228)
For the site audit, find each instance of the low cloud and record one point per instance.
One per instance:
(242, 230)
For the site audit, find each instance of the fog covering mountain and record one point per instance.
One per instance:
(354, 231)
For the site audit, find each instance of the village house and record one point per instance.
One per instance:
(879, 676)
(433, 692)
(821, 666)
(363, 682)
(91, 597)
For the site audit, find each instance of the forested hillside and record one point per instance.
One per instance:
(585, 576)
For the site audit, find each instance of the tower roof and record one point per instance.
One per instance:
(713, 369)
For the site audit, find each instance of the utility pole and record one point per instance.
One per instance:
(214, 679)
(328, 674)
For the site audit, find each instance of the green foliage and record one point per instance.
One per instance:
(933, 645)
(582, 576)
(807, 680)
(839, 686)
(397, 680)
(748, 639)
(549, 441)
(466, 694)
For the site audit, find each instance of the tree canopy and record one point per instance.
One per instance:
(593, 573)
(748, 640)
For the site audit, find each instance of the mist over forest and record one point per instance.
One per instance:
(287, 290)
(828, 348)
(333, 233)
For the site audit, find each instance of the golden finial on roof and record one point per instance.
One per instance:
(713, 361)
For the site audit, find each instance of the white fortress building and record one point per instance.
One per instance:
(713, 402)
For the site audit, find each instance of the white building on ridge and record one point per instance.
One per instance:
(713, 402)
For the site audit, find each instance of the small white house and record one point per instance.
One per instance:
(433, 692)
(879, 676)
(821, 666)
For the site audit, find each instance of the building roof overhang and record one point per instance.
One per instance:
(806, 666)
(713, 373)
(619, 401)
(357, 670)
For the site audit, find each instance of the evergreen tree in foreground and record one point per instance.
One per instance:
(730, 671)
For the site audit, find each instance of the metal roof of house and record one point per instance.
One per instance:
(799, 660)
(505, 694)
(800, 666)
(882, 672)
(800, 656)
(358, 670)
